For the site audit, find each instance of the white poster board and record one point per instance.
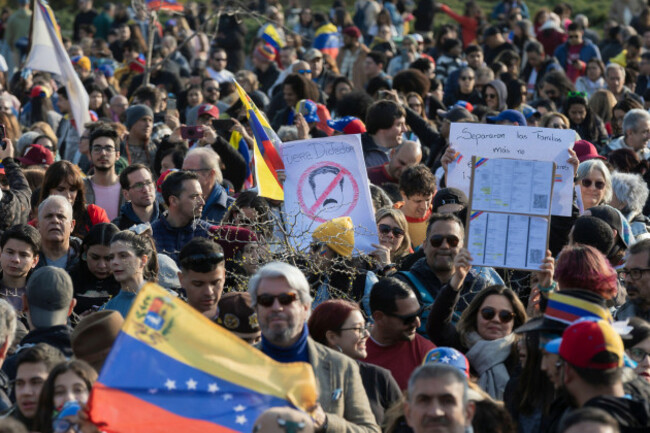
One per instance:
(514, 142)
(326, 179)
(509, 221)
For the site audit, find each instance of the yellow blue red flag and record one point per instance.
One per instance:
(238, 142)
(266, 157)
(327, 40)
(271, 36)
(173, 370)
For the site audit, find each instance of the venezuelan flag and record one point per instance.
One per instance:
(265, 157)
(173, 370)
(272, 37)
(164, 5)
(568, 309)
(238, 142)
(327, 40)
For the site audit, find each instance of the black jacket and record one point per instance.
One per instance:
(633, 416)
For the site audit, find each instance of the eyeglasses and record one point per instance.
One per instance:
(577, 95)
(142, 185)
(266, 300)
(384, 229)
(360, 330)
(407, 319)
(490, 96)
(505, 316)
(101, 149)
(634, 274)
(63, 425)
(599, 184)
(466, 78)
(638, 354)
(436, 240)
(304, 71)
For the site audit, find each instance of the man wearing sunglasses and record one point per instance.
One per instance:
(280, 296)
(446, 262)
(202, 275)
(574, 54)
(394, 343)
(636, 275)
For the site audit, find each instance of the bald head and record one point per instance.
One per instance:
(405, 155)
(301, 66)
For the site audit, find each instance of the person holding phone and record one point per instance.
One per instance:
(14, 202)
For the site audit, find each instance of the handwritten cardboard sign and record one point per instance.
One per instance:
(326, 179)
(514, 142)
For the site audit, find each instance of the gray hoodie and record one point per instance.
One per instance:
(502, 91)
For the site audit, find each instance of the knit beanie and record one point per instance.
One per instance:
(264, 53)
(338, 234)
(135, 113)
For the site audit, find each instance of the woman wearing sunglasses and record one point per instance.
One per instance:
(394, 240)
(70, 381)
(638, 347)
(340, 325)
(595, 183)
(483, 333)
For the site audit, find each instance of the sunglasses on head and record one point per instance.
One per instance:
(266, 300)
(384, 229)
(407, 319)
(505, 316)
(436, 240)
(599, 184)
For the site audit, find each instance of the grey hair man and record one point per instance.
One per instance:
(206, 163)
(280, 296)
(438, 397)
(55, 224)
(636, 133)
(630, 195)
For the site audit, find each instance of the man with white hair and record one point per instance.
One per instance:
(615, 79)
(438, 397)
(636, 133)
(280, 296)
(630, 193)
(55, 224)
(206, 163)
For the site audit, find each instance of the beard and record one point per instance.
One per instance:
(443, 263)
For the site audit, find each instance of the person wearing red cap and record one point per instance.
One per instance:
(592, 355)
(352, 57)
(37, 155)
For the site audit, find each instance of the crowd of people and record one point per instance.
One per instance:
(410, 337)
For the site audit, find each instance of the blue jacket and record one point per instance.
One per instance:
(169, 240)
(589, 51)
(216, 205)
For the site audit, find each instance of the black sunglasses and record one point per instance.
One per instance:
(408, 319)
(384, 229)
(436, 240)
(266, 300)
(505, 316)
(599, 184)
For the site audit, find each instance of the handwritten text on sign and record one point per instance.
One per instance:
(515, 142)
(326, 179)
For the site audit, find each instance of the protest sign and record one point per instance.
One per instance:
(510, 209)
(514, 142)
(326, 179)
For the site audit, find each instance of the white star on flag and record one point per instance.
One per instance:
(227, 397)
(241, 419)
(170, 384)
(454, 356)
(445, 359)
(191, 384)
(213, 387)
(240, 408)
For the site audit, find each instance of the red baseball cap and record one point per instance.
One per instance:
(593, 344)
(209, 109)
(37, 155)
